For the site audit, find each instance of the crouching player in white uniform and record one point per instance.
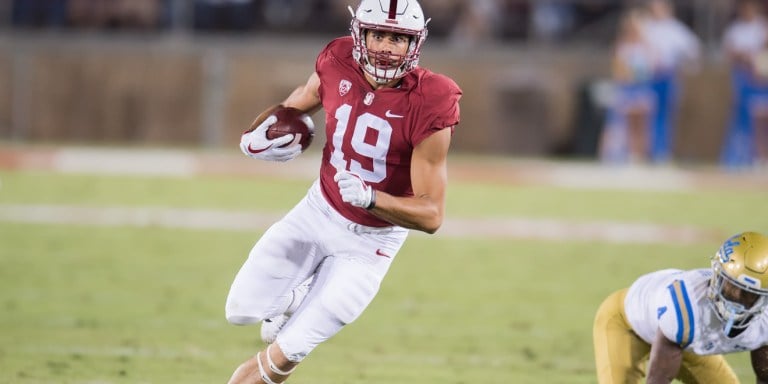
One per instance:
(681, 322)
(389, 124)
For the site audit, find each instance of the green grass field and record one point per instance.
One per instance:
(117, 304)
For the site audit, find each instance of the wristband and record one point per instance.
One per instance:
(372, 204)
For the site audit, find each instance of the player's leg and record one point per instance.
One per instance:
(342, 289)
(271, 327)
(637, 119)
(665, 89)
(760, 132)
(263, 286)
(269, 366)
(613, 140)
(345, 284)
(736, 151)
(761, 143)
(697, 369)
(284, 257)
(620, 354)
(281, 260)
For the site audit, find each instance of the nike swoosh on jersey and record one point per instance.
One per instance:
(380, 253)
(254, 151)
(390, 114)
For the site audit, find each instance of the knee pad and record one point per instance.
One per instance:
(242, 320)
(348, 300)
(238, 313)
(238, 318)
(337, 299)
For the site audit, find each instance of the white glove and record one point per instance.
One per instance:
(255, 144)
(354, 190)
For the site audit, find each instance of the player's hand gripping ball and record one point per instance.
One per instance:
(291, 121)
(278, 134)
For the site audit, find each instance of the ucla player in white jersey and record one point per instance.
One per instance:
(676, 325)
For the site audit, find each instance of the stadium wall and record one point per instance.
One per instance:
(182, 90)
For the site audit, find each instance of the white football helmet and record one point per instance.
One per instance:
(397, 16)
(742, 261)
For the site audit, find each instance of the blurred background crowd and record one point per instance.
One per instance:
(461, 21)
(633, 81)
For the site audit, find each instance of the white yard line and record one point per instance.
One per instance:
(170, 162)
(188, 163)
(500, 228)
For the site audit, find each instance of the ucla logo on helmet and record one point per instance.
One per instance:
(727, 249)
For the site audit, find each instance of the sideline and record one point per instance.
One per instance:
(507, 228)
(487, 169)
(482, 169)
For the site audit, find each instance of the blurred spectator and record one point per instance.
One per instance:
(443, 14)
(477, 22)
(595, 20)
(6, 18)
(328, 17)
(117, 14)
(287, 13)
(677, 48)
(137, 14)
(39, 13)
(552, 19)
(88, 13)
(225, 15)
(517, 20)
(745, 43)
(627, 128)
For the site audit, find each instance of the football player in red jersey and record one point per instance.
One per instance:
(389, 124)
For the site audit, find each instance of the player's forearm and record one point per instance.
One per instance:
(656, 379)
(419, 213)
(305, 97)
(662, 372)
(664, 362)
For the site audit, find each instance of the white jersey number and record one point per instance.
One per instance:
(377, 152)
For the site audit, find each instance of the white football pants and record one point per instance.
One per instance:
(349, 260)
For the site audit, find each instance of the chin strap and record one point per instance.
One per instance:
(731, 308)
(729, 324)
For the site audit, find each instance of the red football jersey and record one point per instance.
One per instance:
(373, 132)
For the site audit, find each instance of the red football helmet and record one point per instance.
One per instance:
(397, 16)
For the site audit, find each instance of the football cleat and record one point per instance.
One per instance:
(272, 326)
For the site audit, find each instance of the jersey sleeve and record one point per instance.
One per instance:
(331, 56)
(675, 314)
(440, 107)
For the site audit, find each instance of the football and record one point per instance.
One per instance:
(292, 121)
